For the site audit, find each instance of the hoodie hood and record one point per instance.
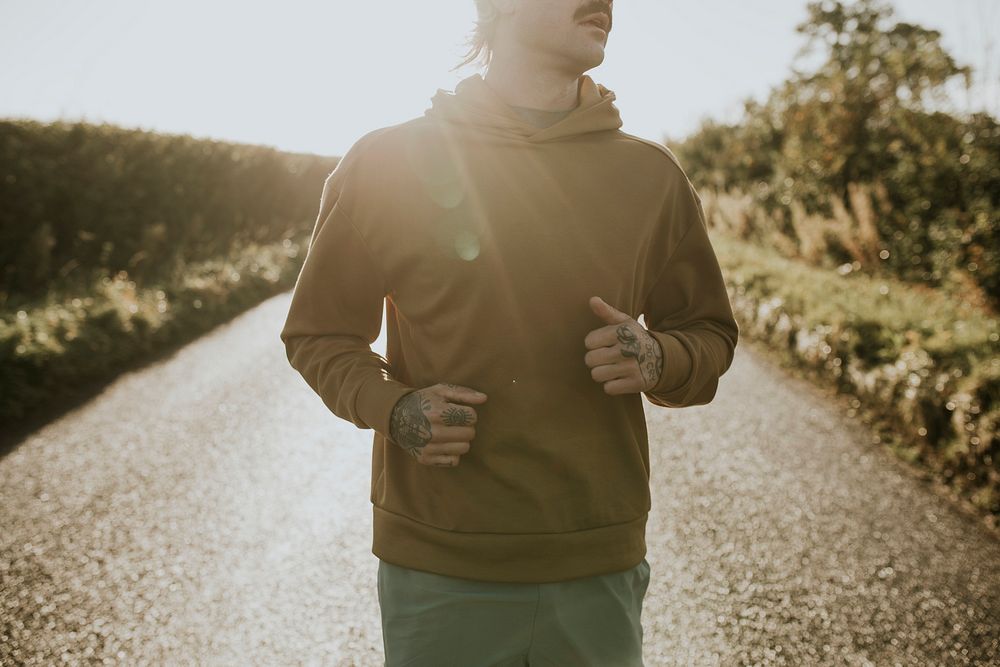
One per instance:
(474, 103)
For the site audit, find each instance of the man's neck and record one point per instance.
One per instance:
(524, 84)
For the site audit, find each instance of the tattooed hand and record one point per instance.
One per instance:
(430, 425)
(622, 355)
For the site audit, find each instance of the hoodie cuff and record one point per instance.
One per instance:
(677, 363)
(375, 402)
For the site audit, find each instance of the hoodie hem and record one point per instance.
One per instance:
(508, 557)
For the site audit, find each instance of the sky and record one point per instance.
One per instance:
(314, 77)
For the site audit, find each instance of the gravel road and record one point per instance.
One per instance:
(208, 509)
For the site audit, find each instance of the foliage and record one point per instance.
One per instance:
(62, 344)
(920, 365)
(864, 122)
(82, 201)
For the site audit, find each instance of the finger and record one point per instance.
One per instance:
(461, 394)
(453, 414)
(447, 449)
(622, 386)
(441, 432)
(603, 355)
(602, 337)
(445, 461)
(613, 371)
(607, 312)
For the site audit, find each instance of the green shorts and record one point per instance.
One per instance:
(433, 620)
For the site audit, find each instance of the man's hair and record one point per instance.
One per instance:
(481, 38)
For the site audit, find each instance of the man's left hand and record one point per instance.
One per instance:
(622, 355)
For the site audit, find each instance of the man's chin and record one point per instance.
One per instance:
(590, 57)
(593, 62)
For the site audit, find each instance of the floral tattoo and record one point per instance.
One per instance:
(645, 350)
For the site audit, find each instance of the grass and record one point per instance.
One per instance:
(922, 364)
(94, 332)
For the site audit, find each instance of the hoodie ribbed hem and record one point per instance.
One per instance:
(508, 557)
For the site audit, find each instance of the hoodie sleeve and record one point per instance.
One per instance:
(335, 316)
(688, 311)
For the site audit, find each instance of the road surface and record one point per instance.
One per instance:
(208, 509)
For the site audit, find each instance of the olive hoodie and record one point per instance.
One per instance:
(483, 236)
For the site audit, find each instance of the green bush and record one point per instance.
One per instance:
(857, 139)
(83, 199)
(117, 242)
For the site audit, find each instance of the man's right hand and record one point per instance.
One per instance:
(430, 424)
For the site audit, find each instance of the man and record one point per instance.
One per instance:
(513, 232)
